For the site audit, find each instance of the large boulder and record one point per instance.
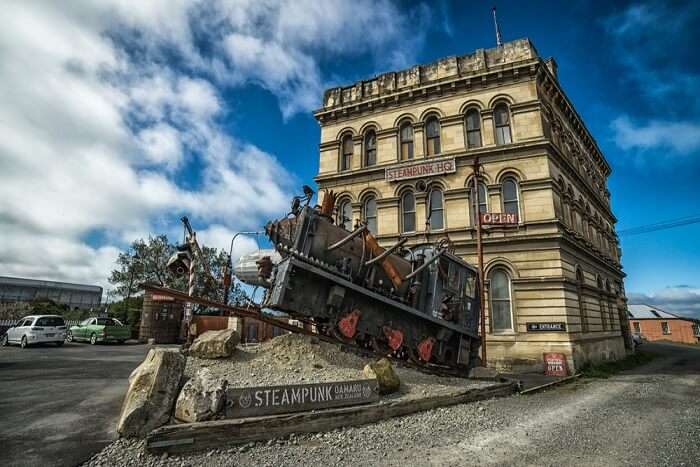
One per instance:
(215, 344)
(201, 397)
(153, 387)
(384, 373)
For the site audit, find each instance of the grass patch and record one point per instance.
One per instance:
(607, 369)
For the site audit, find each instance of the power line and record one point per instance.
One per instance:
(660, 226)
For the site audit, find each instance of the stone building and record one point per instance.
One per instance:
(399, 151)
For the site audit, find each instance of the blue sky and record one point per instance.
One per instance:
(129, 115)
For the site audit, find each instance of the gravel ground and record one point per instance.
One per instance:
(299, 359)
(650, 416)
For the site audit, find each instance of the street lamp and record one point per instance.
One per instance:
(229, 264)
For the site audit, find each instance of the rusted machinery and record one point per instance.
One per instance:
(418, 303)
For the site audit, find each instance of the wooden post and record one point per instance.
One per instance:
(480, 255)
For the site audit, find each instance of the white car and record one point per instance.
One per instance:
(36, 329)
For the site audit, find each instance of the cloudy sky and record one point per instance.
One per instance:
(119, 117)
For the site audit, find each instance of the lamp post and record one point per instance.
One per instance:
(229, 263)
(480, 255)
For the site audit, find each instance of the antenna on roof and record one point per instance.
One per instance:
(499, 42)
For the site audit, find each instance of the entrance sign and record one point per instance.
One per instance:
(555, 364)
(270, 400)
(546, 327)
(498, 218)
(425, 169)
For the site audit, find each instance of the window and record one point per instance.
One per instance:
(696, 329)
(344, 215)
(435, 210)
(581, 305)
(432, 136)
(664, 328)
(610, 307)
(50, 321)
(473, 124)
(502, 121)
(406, 137)
(635, 326)
(499, 292)
(370, 214)
(510, 196)
(408, 210)
(346, 157)
(483, 201)
(370, 148)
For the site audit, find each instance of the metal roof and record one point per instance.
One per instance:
(34, 283)
(642, 311)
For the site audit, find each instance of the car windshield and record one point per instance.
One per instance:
(108, 322)
(85, 322)
(50, 321)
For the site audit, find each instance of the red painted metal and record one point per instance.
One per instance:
(348, 324)
(425, 349)
(394, 337)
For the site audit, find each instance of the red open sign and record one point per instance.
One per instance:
(555, 364)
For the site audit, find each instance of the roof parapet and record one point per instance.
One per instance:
(444, 69)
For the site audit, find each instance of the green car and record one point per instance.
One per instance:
(96, 330)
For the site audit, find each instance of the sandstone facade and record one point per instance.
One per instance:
(561, 262)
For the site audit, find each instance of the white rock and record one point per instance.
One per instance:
(201, 397)
(215, 344)
(152, 390)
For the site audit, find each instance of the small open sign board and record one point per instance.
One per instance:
(555, 364)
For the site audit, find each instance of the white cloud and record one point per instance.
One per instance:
(681, 137)
(683, 300)
(104, 103)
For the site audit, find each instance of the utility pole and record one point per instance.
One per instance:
(499, 42)
(480, 255)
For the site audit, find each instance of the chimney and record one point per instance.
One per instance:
(552, 66)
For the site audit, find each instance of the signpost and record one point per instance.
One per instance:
(270, 400)
(546, 327)
(424, 169)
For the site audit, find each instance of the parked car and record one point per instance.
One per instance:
(96, 330)
(36, 329)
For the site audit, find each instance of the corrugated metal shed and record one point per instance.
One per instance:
(649, 312)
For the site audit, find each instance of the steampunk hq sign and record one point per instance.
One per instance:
(270, 400)
(425, 169)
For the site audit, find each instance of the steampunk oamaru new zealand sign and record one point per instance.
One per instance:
(269, 400)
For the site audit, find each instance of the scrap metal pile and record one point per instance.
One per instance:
(419, 304)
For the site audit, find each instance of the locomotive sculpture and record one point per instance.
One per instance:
(418, 303)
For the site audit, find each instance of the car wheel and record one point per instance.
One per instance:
(59, 343)
(23, 342)
(69, 336)
(3, 341)
(93, 339)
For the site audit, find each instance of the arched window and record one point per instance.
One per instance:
(473, 124)
(344, 214)
(483, 201)
(436, 210)
(408, 212)
(581, 305)
(406, 140)
(501, 119)
(346, 156)
(369, 212)
(370, 148)
(511, 202)
(499, 293)
(601, 304)
(432, 136)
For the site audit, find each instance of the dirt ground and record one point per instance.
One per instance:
(647, 416)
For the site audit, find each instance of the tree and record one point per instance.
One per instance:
(146, 260)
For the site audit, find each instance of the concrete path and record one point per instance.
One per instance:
(58, 406)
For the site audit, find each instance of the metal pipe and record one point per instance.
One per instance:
(425, 265)
(480, 255)
(387, 252)
(352, 235)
